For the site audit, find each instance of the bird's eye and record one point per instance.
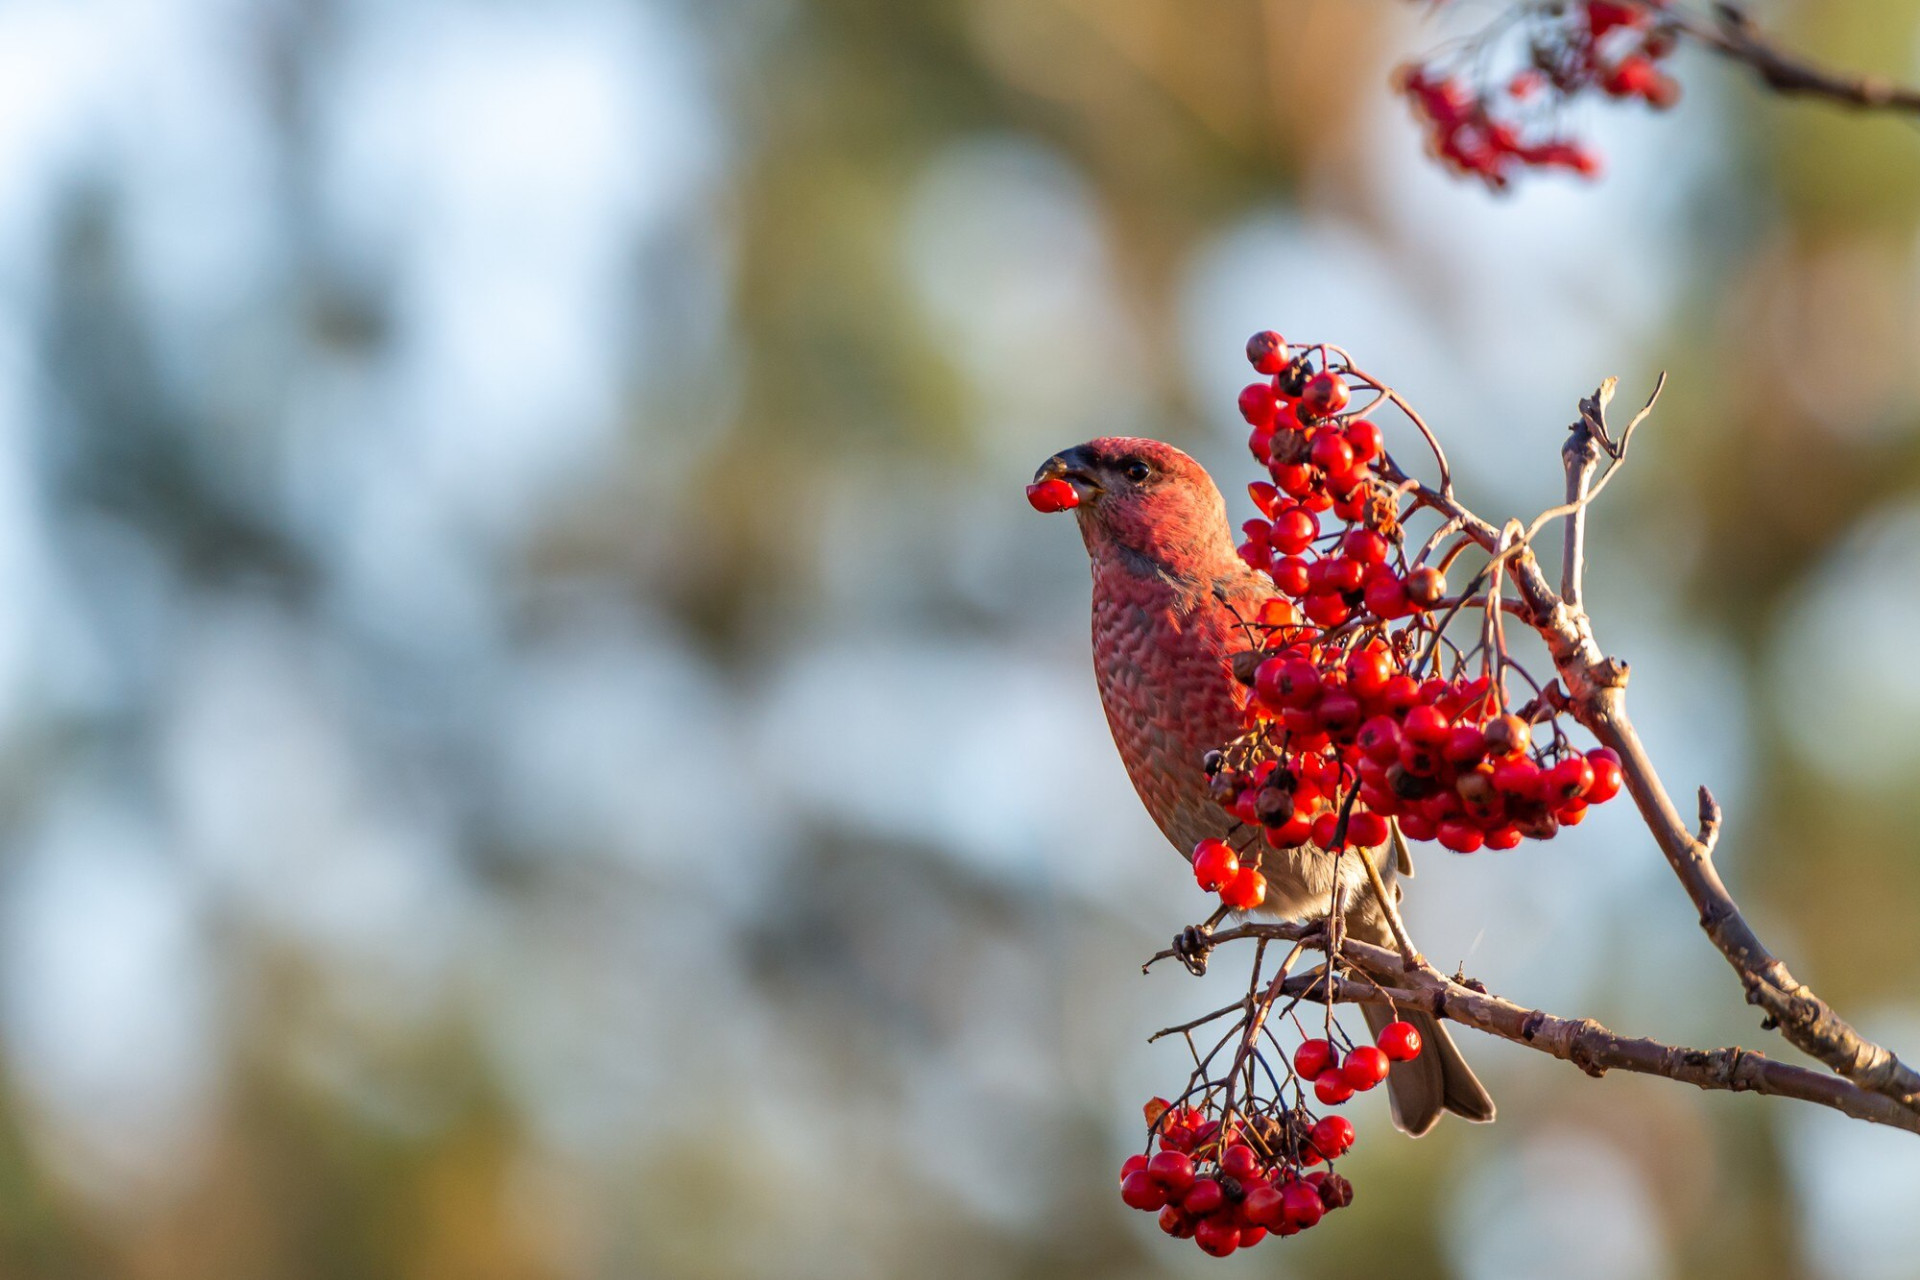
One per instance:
(1138, 471)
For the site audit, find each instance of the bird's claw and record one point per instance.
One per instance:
(1192, 945)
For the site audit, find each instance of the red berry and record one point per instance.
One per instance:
(1364, 1068)
(1326, 609)
(1294, 531)
(1313, 1057)
(1173, 1171)
(1465, 745)
(1569, 779)
(1134, 1164)
(1368, 670)
(1240, 1162)
(1205, 1196)
(1214, 864)
(1572, 813)
(1216, 1237)
(1364, 436)
(1332, 1136)
(1460, 836)
(1607, 777)
(1177, 1222)
(1300, 1203)
(1365, 546)
(1139, 1191)
(1400, 1041)
(1507, 837)
(1508, 735)
(1426, 586)
(1258, 404)
(1325, 395)
(1331, 453)
(1519, 778)
(1247, 890)
(1426, 726)
(1366, 830)
(1379, 740)
(1262, 1206)
(1290, 575)
(1052, 495)
(1339, 713)
(1296, 479)
(1251, 1236)
(1332, 1089)
(1267, 352)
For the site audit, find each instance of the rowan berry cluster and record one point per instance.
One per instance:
(1351, 720)
(1610, 47)
(1228, 1180)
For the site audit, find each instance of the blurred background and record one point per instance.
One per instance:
(540, 739)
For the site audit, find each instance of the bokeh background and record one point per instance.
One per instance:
(539, 738)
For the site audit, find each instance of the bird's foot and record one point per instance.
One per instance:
(1192, 945)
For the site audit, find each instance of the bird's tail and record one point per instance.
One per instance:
(1438, 1080)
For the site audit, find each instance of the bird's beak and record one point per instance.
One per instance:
(1075, 467)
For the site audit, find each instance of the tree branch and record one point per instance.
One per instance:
(1733, 35)
(1582, 1041)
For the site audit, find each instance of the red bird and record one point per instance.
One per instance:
(1166, 586)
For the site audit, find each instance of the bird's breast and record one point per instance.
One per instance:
(1162, 657)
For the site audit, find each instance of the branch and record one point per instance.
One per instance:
(1596, 695)
(1733, 35)
(1582, 1041)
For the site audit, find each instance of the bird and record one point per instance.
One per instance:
(1169, 593)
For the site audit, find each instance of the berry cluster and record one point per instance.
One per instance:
(1226, 1182)
(1612, 47)
(1351, 721)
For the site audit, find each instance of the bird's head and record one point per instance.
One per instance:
(1142, 496)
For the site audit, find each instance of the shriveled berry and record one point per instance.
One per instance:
(1399, 1040)
(1335, 1191)
(1052, 494)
